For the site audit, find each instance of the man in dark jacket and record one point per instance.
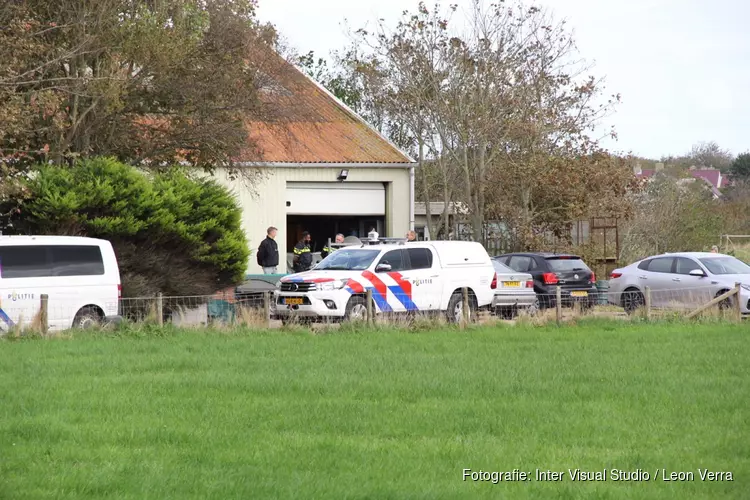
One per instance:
(303, 257)
(268, 252)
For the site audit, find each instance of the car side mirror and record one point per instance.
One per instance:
(698, 272)
(382, 268)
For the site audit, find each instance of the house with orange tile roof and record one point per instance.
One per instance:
(324, 169)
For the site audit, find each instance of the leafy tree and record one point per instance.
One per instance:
(171, 233)
(740, 169)
(499, 110)
(342, 81)
(672, 215)
(151, 83)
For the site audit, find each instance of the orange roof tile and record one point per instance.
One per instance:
(302, 123)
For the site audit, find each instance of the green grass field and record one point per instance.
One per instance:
(190, 414)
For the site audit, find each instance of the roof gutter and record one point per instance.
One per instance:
(281, 164)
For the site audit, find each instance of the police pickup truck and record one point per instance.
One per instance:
(403, 278)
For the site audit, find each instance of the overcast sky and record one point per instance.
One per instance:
(681, 66)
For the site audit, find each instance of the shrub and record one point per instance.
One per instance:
(172, 233)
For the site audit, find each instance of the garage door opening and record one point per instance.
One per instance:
(323, 227)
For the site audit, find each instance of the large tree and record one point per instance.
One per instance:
(148, 82)
(498, 109)
(172, 232)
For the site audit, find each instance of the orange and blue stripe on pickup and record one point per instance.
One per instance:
(402, 291)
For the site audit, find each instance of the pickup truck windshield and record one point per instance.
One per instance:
(348, 260)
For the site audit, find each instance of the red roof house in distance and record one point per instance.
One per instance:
(712, 176)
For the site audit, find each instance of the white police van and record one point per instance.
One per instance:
(403, 277)
(79, 275)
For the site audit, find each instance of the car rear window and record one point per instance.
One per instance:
(501, 268)
(562, 265)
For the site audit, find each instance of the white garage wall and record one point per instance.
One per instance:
(266, 206)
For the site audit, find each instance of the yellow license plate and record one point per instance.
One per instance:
(579, 294)
(515, 284)
(293, 301)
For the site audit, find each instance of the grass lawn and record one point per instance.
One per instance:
(190, 414)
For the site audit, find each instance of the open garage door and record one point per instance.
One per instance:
(335, 198)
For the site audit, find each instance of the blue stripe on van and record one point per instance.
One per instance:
(6, 319)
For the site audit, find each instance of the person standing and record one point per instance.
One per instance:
(329, 250)
(302, 254)
(714, 249)
(411, 236)
(268, 252)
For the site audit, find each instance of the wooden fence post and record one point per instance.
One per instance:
(558, 304)
(267, 308)
(370, 318)
(648, 303)
(44, 313)
(721, 298)
(737, 304)
(465, 307)
(159, 309)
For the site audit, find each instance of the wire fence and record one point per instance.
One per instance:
(266, 309)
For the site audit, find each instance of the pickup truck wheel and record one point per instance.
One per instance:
(455, 309)
(356, 309)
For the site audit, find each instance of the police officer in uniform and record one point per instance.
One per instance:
(303, 257)
(329, 250)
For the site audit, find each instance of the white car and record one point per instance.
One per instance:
(403, 278)
(79, 275)
(514, 292)
(679, 280)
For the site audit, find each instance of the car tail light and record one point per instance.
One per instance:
(119, 291)
(614, 276)
(530, 284)
(593, 277)
(493, 285)
(549, 278)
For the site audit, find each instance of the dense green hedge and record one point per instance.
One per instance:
(172, 233)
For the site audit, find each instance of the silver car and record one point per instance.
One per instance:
(679, 281)
(514, 291)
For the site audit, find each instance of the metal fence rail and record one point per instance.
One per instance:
(258, 309)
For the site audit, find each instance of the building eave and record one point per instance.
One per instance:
(271, 164)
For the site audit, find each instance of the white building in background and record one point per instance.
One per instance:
(326, 171)
(457, 214)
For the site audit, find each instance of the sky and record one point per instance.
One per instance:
(682, 67)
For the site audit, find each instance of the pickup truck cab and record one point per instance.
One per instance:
(404, 278)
